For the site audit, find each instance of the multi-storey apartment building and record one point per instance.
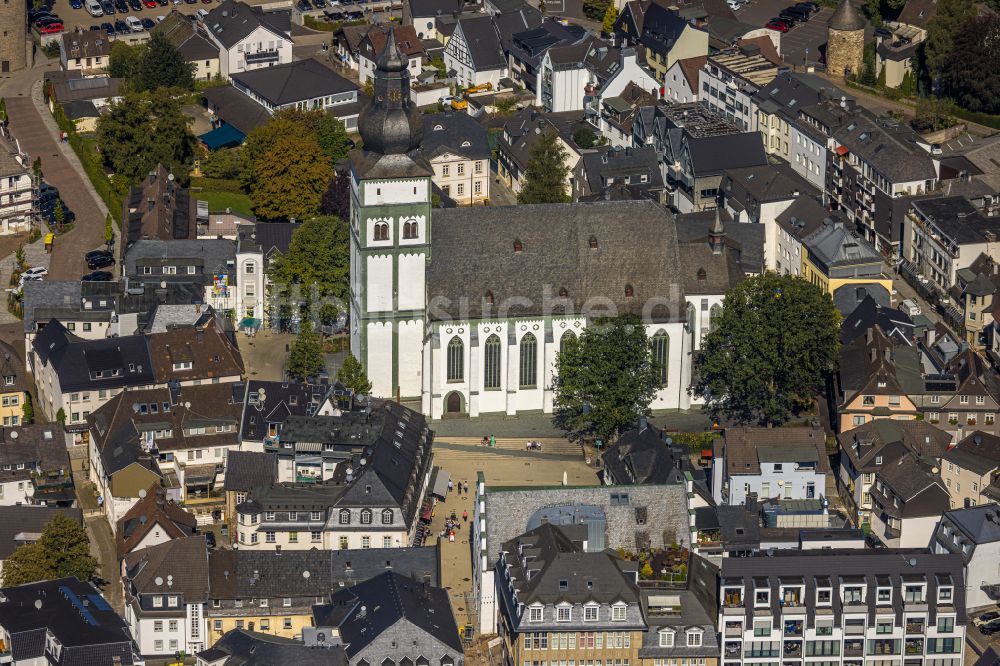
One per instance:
(730, 79)
(843, 608)
(558, 601)
(974, 535)
(17, 185)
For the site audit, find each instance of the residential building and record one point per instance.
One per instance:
(638, 169)
(962, 396)
(835, 258)
(867, 386)
(802, 218)
(76, 376)
(88, 51)
(302, 84)
(556, 594)
(269, 591)
(390, 614)
(181, 434)
(618, 114)
(475, 53)
(249, 38)
(764, 463)
(373, 43)
(49, 622)
(644, 455)
(363, 491)
(894, 53)
(246, 470)
(421, 14)
(682, 82)
(681, 622)
(666, 36)
(34, 466)
(193, 43)
(878, 603)
(255, 294)
(528, 47)
(160, 209)
(251, 648)
(191, 354)
(204, 263)
(908, 498)
(23, 524)
(631, 518)
(759, 194)
(166, 590)
(970, 468)
(153, 520)
(520, 134)
(17, 185)
(730, 79)
(14, 384)
(973, 533)
(943, 235)
(270, 404)
(877, 445)
(458, 150)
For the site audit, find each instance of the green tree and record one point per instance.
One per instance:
(59, 213)
(332, 138)
(770, 350)
(873, 8)
(933, 114)
(971, 76)
(109, 230)
(605, 379)
(68, 548)
(3, 109)
(610, 16)
(585, 138)
(306, 356)
(36, 168)
(337, 198)
(318, 261)
(27, 564)
(595, 9)
(125, 61)
(27, 410)
(162, 66)
(61, 416)
(62, 551)
(546, 174)
(226, 163)
(949, 19)
(19, 258)
(290, 179)
(352, 375)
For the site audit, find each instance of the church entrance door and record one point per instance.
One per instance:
(453, 403)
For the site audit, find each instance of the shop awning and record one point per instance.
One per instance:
(250, 322)
(439, 482)
(224, 136)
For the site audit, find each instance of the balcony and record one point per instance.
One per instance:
(915, 627)
(792, 649)
(854, 648)
(733, 650)
(734, 630)
(793, 628)
(914, 646)
(261, 57)
(200, 497)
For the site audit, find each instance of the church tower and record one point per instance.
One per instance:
(390, 233)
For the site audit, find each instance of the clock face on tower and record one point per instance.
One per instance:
(393, 95)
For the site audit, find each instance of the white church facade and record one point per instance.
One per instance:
(465, 309)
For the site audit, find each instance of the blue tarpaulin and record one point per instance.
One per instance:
(224, 136)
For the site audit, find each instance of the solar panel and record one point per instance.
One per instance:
(98, 602)
(78, 605)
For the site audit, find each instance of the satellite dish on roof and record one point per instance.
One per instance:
(187, 405)
(306, 574)
(142, 493)
(135, 407)
(38, 604)
(912, 562)
(363, 461)
(261, 394)
(158, 580)
(13, 434)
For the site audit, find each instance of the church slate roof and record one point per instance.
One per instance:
(475, 254)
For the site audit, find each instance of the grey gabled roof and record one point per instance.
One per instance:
(250, 469)
(980, 523)
(835, 245)
(712, 155)
(483, 43)
(456, 133)
(294, 82)
(474, 253)
(233, 20)
(249, 648)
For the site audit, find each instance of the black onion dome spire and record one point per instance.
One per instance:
(390, 124)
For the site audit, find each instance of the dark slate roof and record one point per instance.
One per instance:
(29, 521)
(921, 489)
(483, 43)
(601, 166)
(281, 400)
(88, 640)
(153, 510)
(711, 155)
(248, 648)
(380, 603)
(236, 109)
(804, 216)
(765, 183)
(293, 82)
(474, 254)
(74, 359)
(642, 456)
(980, 523)
(354, 566)
(891, 439)
(455, 133)
(889, 146)
(250, 469)
(790, 91)
(959, 220)
(212, 255)
(661, 28)
(79, 109)
(978, 452)
(12, 365)
(233, 20)
(868, 313)
(179, 566)
(747, 238)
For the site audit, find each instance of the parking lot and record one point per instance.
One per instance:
(72, 18)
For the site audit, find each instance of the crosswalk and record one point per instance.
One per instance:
(550, 445)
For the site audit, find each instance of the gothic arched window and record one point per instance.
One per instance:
(529, 361)
(491, 363)
(661, 354)
(456, 360)
(381, 231)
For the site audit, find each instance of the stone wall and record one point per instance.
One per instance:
(14, 44)
(844, 51)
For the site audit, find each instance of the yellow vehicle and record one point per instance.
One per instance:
(463, 103)
(482, 87)
(460, 104)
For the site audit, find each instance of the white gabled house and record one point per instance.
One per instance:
(249, 38)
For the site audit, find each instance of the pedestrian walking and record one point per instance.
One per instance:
(449, 485)
(465, 516)
(493, 440)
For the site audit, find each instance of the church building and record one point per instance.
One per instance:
(465, 309)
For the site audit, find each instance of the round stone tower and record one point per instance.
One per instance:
(845, 44)
(14, 45)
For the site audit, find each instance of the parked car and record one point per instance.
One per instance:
(150, 4)
(109, 29)
(813, 7)
(76, 4)
(986, 618)
(98, 276)
(148, 24)
(990, 628)
(47, 190)
(135, 5)
(39, 271)
(95, 254)
(210, 539)
(102, 261)
(121, 6)
(319, 3)
(910, 307)
(789, 18)
(799, 13)
(47, 20)
(51, 29)
(201, 14)
(779, 25)
(28, 278)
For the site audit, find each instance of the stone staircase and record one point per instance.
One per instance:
(550, 445)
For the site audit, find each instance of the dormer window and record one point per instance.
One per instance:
(823, 596)
(666, 638)
(878, 460)
(590, 613)
(853, 595)
(563, 293)
(488, 298)
(694, 637)
(884, 595)
(593, 242)
(345, 517)
(518, 246)
(629, 292)
(945, 595)
(564, 613)
(702, 275)
(534, 614)
(762, 597)
(618, 613)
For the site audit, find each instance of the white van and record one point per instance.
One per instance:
(910, 307)
(134, 24)
(94, 7)
(202, 13)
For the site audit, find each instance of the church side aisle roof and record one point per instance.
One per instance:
(474, 251)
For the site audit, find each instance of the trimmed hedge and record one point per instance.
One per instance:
(217, 185)
(977, 117)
